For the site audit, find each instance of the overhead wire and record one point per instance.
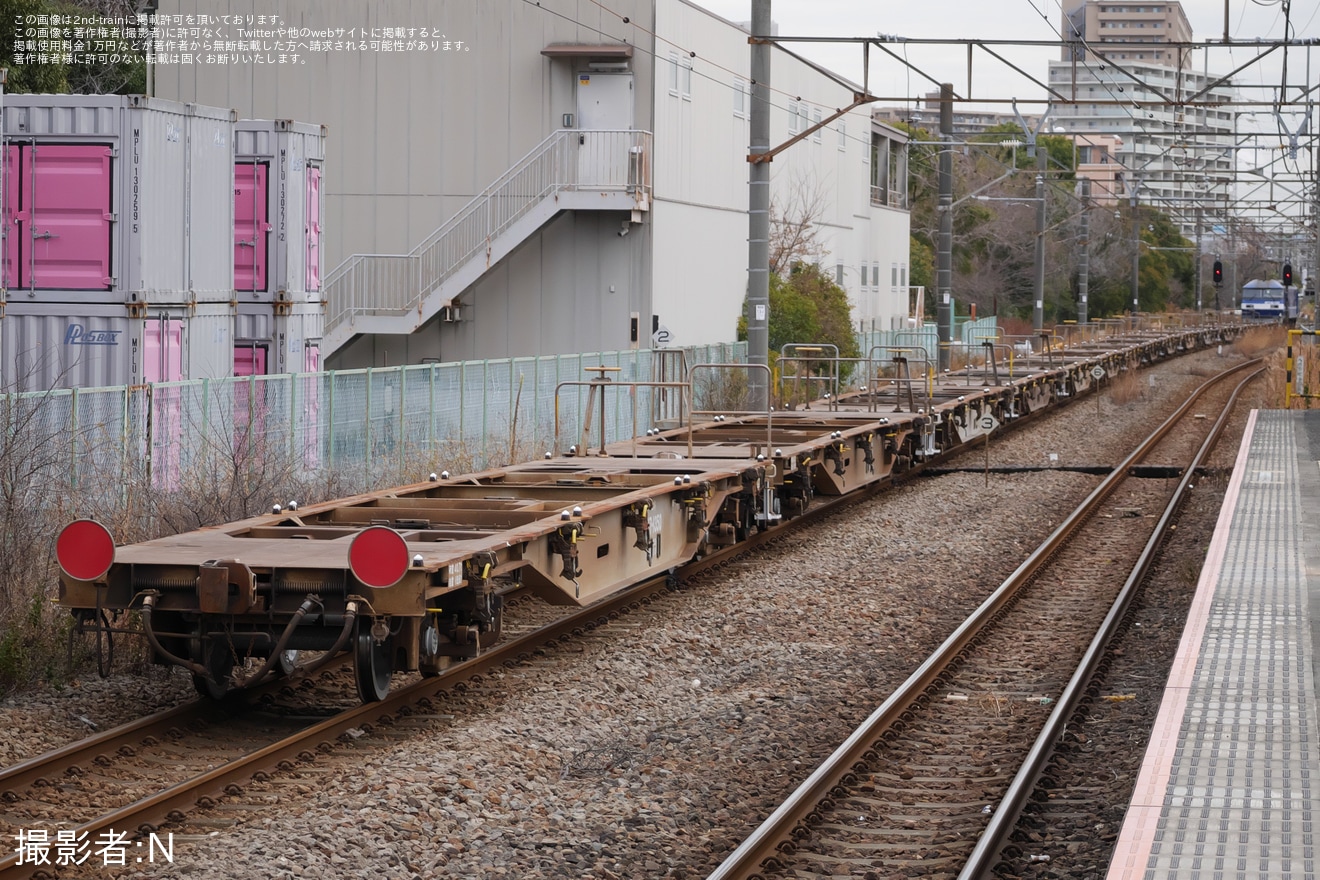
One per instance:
(739, 78)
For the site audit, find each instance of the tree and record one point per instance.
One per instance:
(794, 226)
(27, 77)
(128, 75)
(1060, 151)
(807, 306)
(921, 270)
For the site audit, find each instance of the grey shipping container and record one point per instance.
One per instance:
(117, 199)
(278, 168)
(272, 338)
(56, 345)
(208, 341)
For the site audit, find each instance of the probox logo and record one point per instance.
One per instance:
(77, 334)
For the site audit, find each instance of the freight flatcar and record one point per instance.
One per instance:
(410, 578)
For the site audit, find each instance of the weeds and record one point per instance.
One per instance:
(1261, 339)
(1126, 388)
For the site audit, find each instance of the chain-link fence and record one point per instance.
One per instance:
(369, 427)
(967, 339)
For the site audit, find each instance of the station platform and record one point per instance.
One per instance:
(1228, 785)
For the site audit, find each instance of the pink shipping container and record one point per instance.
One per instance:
(278, 167)
(271, 338)
(113, 199)
(57, 345)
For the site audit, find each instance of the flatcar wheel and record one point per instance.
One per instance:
(371, 666)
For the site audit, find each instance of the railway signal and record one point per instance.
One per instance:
(1219, 274)
(1287, 275)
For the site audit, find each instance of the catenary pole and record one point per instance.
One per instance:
(944, 251)
(1084, 256)
(1038, 313)
(1198, 259)
(758, 210)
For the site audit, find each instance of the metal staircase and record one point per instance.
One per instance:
(568, 171)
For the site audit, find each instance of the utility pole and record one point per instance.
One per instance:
(1038, 313)
(1234, 291)
(758, 211)
(1136, 254)
(1198, 259)
(1084, 257)
(944, 251)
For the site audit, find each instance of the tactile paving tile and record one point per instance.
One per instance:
(1240, 798)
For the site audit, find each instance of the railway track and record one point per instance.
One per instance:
(934, 780)
(192, 737)
(301, 745)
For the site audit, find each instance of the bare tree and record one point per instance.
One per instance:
(795, 225)
(129, 74)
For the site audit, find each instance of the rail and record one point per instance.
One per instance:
(762, 844)
(1002, 823)
(392, 285)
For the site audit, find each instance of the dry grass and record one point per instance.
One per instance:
(1127, 388)
(1259, 340)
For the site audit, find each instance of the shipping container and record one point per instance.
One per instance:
(209, 341)
(58, 345)
(117, 199)
(272, 338)
(278, 167)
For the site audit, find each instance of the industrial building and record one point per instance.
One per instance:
(550, 177)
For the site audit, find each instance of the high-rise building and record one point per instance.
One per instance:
(1125, 29)
(1126, 73)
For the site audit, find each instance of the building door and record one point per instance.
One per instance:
(605, 101)
(604, 104)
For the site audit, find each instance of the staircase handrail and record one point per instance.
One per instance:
(428, 264)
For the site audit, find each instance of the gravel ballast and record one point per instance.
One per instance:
(652, 746)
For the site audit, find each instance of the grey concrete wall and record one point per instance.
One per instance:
(553, 296)
(413, 136)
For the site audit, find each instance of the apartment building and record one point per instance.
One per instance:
(1124, 79)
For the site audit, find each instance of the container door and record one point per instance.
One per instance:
(162, 353)
(69, 232)
(309, 394)
(251, 223)
(162, 350)
(249, 415)
(313, 228)
(249, 360)
(12, 215)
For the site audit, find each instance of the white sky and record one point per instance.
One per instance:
(1008, 20)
